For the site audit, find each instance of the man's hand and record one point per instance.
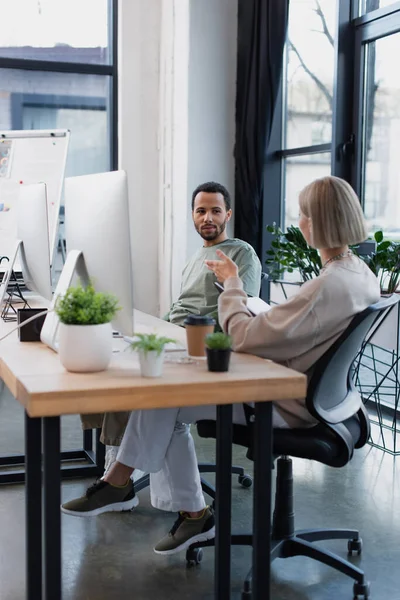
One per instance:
(223, 268)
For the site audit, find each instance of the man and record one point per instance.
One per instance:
(211, 211)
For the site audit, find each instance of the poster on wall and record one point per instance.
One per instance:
(9, 192)
(6, 148)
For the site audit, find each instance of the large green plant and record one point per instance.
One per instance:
(84, 306)
(385, 262)
(289, 252)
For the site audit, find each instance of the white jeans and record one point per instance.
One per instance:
(159, 442)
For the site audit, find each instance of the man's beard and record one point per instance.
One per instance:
(211, 234)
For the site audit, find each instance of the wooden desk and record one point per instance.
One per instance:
(35, 376)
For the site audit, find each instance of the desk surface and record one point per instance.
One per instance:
(35, 376)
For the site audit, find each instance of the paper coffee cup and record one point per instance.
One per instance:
(197, 328)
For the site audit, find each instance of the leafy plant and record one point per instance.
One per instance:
(218, 341)
(289, 252)
(150, 342)
(385, 262)
(84, 306)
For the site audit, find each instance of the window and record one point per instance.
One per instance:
(298, 172)
(57, 30)
(381, 131)
(366, 6)
(307, 99)
(58, 71)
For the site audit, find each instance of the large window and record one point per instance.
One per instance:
(307, 98)
(58, 70)
(340, 107)
(377, 177)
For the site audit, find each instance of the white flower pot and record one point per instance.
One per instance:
(151, 363)
(85, 348)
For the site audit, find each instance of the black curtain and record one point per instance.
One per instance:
(262, 26)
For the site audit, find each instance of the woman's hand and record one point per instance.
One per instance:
(223, 268)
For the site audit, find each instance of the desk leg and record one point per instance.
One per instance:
(51, 508)
(262, 501)
(223, 501)
(33, 507)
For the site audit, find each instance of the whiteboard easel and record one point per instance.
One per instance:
(30, 157)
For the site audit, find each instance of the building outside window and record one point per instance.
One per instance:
(58, 70)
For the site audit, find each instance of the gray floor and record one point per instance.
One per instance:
(111, 556)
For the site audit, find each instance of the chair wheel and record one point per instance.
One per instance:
(361, 589)
(354, 546)
(245, 480)
(194, 556)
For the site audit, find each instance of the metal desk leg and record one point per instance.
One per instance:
(262, 501)
(33, 507)
(223, 501)
(51, 508)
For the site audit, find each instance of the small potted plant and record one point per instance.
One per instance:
(218, 348)
(151, 350)
(85, 332)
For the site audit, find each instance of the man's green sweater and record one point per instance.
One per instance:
(199, 295)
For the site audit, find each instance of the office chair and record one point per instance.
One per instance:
(243, 478)
(343, 426)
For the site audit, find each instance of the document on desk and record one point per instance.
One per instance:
(256, 305)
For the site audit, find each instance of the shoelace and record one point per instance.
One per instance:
(182, 516)
(96, 486)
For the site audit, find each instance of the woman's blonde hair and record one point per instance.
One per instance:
(335, 211)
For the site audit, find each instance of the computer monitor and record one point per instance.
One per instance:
(32, 242)
(98, 244)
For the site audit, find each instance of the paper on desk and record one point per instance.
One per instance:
(257, 306)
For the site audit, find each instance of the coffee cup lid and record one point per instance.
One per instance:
(198, 320)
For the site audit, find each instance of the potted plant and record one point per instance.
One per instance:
(85, 333)
(385, 263)
(151, 349)
(218, 348)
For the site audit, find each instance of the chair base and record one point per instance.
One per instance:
(286, 542)
(298, 545)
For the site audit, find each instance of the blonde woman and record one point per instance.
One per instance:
(295, 333)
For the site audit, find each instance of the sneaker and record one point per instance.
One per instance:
(187, 531)
(102, 497)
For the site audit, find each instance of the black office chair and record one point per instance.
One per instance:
(343, 426)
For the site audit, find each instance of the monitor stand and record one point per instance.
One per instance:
(74, 265)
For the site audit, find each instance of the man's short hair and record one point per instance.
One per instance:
(335, 211)
(211, 187)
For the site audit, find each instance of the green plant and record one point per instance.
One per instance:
(150, 342)
(84, 306)
(218, 341)
(289, 252)
(385, 262)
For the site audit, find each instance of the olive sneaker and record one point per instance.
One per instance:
(187, 531)
(102, 497)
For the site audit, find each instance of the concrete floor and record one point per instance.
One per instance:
(111, 556)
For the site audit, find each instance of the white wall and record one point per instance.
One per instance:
(139, 54)
(212, 98)
(176, 128)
